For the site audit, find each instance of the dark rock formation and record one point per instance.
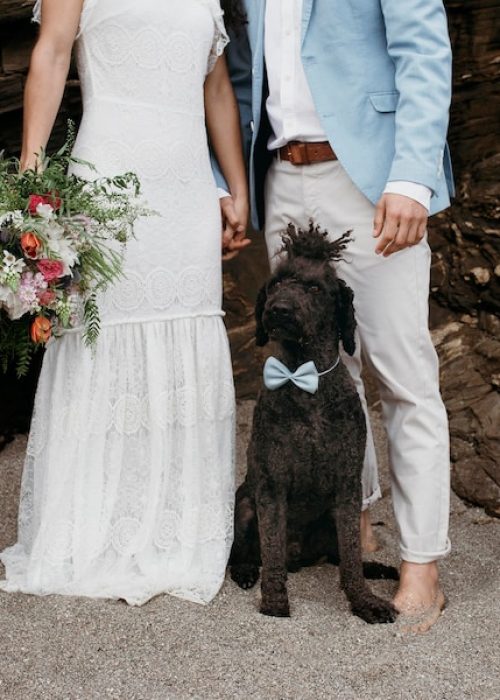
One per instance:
(470, 367)
(466, 265)
(466, 239)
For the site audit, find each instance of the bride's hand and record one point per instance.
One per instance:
(234, 225)
(32, 163)
(233, 242)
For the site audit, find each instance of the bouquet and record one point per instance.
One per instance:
(62, 241)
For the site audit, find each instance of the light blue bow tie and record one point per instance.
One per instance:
(306, 377)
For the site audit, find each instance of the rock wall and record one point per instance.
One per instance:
(466, 262)
(466, 243)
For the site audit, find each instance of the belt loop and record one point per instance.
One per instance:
(304, 154)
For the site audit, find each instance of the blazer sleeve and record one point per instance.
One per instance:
(419, 44)
(239, 60)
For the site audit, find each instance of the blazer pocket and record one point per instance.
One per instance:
(384, 101)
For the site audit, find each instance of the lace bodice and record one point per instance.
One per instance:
(218, 39)
(142, 67)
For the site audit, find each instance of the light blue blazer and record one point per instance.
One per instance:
(380, 76)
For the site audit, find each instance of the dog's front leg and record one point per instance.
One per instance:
(364, 603)
(245, 557)
(271, 509)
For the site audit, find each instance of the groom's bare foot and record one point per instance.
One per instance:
(419, 599)
(369, 542)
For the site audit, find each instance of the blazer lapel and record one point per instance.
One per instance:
(256, 11)
(306, 16)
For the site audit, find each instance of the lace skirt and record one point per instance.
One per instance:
(128, 487)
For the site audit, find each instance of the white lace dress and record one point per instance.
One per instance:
(128, 483)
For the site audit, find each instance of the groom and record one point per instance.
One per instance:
(344, 107)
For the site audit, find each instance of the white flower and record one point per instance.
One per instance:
(11, 265)
(17, 218)
(45, 211)
(61, 247)
(10, 301)
(12, 218)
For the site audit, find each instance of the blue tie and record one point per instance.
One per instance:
(276, 375)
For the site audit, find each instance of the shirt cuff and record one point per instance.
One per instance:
(222, 193)
(420, 193)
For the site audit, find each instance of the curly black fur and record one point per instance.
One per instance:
(313, 244)
(301, 499)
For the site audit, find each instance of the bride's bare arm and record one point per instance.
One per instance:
(223, 125)
(49, 68)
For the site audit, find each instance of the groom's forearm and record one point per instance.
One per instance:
(418, 42)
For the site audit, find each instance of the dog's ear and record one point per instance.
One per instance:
(261, 337)
(345, 317)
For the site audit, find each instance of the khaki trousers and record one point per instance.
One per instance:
(391, 303)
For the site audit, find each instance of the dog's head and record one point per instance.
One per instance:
(304, 300)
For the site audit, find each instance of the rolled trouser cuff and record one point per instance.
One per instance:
(375, 496)
(416, 557)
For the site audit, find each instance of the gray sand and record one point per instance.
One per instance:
(74, 648)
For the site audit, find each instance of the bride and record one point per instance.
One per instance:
(127, 488)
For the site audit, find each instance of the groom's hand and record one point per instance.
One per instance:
(234, 224)
(400, 222)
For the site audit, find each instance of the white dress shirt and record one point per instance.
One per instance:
(290, 106)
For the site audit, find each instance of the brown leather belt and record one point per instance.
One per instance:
(299, 153)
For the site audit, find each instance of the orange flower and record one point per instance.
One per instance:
(41, 330)
(31, 245)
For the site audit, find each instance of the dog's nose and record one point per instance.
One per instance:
(281, 310)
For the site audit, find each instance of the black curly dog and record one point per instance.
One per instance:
(301, 500)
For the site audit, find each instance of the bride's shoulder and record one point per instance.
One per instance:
(215, 8)
(221, 38)
(87, 6)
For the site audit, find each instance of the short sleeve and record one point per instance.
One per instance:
(87, 6)
(221, 38)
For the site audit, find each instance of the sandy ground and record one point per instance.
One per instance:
(59, 647)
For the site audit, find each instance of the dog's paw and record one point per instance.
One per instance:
(245, 575)
(375, 610)
(275, 607)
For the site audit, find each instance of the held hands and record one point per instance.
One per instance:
(400, 222)
(234, 225)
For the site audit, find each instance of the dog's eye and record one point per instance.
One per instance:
(314, 288)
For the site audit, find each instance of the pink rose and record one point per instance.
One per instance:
(51, 269)
(47, 297)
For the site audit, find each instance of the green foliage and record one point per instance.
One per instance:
(92, 321)
(16, 345)
(95, 217)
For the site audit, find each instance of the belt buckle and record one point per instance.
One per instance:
(297, 152)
